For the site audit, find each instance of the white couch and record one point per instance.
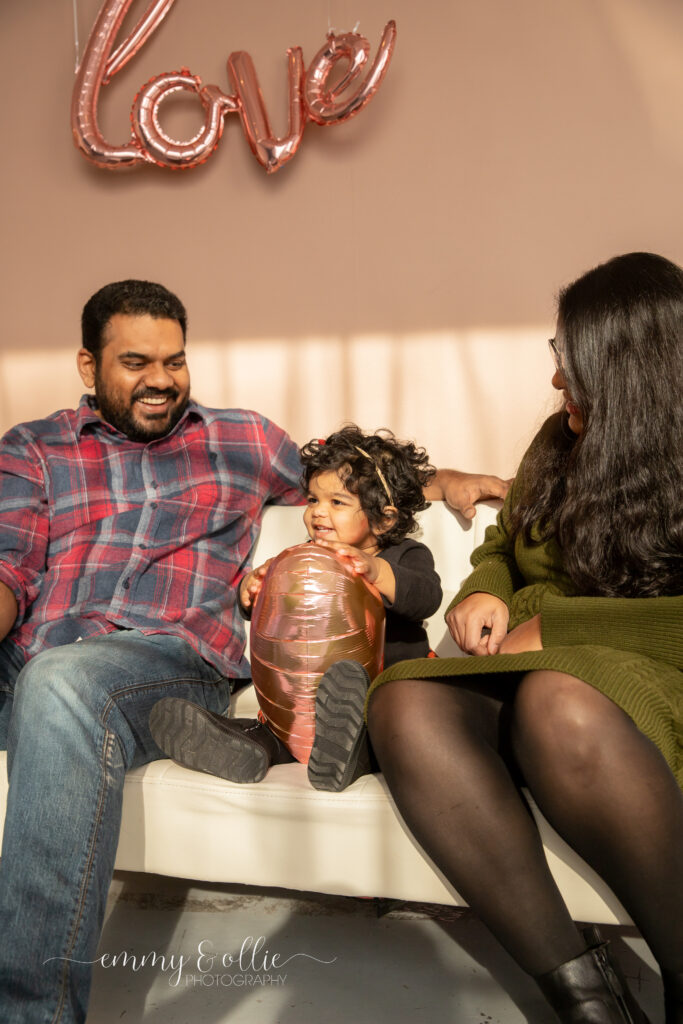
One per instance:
(281, 832)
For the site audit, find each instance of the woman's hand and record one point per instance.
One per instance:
(525, 637)
(476, 613)
(251, 585)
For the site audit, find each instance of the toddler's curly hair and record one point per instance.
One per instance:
(404, 466)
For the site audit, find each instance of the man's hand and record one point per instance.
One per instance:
(525, 637)
(476, 613)
(462, 490)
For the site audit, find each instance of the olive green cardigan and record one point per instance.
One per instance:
(630, 649)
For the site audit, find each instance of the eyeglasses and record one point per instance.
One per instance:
(556, 354)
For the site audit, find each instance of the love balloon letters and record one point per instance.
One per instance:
(312, 97)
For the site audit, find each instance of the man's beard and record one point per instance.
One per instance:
(120, 415)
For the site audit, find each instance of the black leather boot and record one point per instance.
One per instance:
(237, 749)
(591, 989)
(673, 996)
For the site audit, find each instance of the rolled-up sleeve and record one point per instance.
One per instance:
(24, 521)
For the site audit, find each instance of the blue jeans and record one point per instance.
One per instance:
(75, 720)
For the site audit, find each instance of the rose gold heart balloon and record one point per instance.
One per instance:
(311, 612)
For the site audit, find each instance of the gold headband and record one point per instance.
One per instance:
(379, 472)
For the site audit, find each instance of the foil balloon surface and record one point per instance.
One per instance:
(314, 94)
(311, 612)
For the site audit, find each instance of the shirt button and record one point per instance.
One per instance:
(143, 546)
(126, 584)
(154, 504)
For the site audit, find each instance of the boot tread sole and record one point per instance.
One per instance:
(194, 739)
(340, 727)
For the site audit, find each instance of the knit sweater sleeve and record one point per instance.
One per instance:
(650, 626)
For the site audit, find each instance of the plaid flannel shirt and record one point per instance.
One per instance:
(99, 533)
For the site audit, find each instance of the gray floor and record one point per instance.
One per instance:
(291, 958)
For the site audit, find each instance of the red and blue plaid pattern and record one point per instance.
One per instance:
(98, 532)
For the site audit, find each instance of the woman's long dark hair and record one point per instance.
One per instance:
(613, 496)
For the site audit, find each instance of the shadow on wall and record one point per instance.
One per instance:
(473, 398)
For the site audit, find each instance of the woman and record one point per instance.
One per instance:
(574, 610)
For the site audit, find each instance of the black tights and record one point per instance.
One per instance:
(452, 753)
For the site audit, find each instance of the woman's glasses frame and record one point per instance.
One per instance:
(556, 354)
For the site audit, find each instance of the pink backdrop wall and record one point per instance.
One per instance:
(401, 270)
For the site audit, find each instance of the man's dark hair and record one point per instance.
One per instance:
(130, 298)
(404, 467)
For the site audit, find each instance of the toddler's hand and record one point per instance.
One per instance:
(251, 585)
(359, 562)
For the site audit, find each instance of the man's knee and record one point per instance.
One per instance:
(58, 699)
(60, 673)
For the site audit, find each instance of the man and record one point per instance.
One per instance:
(125, 526)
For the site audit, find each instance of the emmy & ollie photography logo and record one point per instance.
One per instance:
(252, 966)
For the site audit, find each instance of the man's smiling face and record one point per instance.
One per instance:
(141, 380)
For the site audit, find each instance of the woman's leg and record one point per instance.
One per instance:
(608, 791)
(439, 746)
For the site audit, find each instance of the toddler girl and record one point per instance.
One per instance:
(362, 493)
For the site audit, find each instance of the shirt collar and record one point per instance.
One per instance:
(86, 416)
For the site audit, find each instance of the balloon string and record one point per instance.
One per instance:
(330, 30)
(76, 40)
